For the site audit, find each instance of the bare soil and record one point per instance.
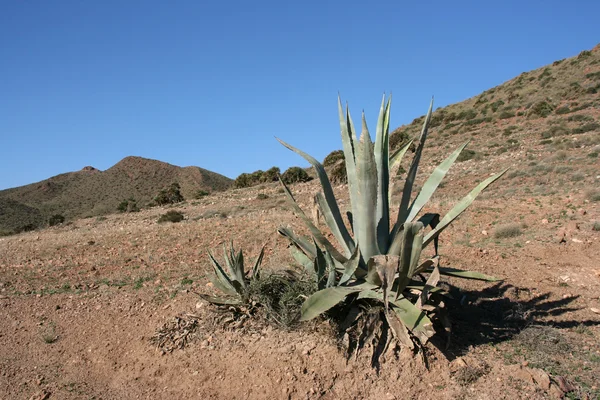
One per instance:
(79, 304)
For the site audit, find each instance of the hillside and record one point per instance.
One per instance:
(91, 192)
(82, 301)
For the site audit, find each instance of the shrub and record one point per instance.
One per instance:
(56, 219)
(541, 109)
(467, 114)
(592, 195)
(592, 126)
(200, 194)
(333, 157)
(579, 118)
(556, 130)
(270, 175)
(338, 174)
(496, 105)
(129, 205)
(593, 154)
(507, 231)
(262, 196)
(596, 226)
(562, 110)
(466, 155)
(367, 275)
(171, 195)
(295, 175)
(171, 216)
(506, 114)
(398, 139)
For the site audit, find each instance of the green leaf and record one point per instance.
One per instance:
(432, 183)
(298, 241)
(338, 229)
(414, 319)
(460, 207)
(255, 269)
(303, 260)
(382, 150)
(411, 176)
(221, 280)
(350, 267)
(316, 233)
(365, 226)
(349, 146)
(325, 299)
(395, 161)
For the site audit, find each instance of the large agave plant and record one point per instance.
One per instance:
(234, 281)
(381, 259)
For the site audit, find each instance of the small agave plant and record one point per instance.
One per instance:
(234, 283)
(380, 262)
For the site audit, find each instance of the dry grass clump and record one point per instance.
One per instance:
(507, 231)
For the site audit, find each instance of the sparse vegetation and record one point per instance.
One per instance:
(592, 126)
(129, 205)
(56, 219)
(295, 175)
(171, 195)
(466, 155)
(507, 231)
(171, 216)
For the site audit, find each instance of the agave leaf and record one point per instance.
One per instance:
(395, 161)
(320, 268)
(339, 229)
(303, 260)
(349, 147)
(299, 241)
(325, 299)
(432, 183)
(365, 226)
(382, 150)
(221, 300)
(459, 273)
(427, 264)
(331, 270)
(414, 319)
(256, 268)
(407, 246)
(316, 233)
(412, 174)
(350, 267)
(399, 330)
(460, 207)
(431, 283)
(329, 218)
(221, 280)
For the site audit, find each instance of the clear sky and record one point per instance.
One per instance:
(210, 83)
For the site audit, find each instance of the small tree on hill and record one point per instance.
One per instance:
(171, 195)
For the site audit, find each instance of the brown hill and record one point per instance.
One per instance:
(90, 192)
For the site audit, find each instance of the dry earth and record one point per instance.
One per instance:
(80, 302)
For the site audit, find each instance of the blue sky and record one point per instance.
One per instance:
(211, 83)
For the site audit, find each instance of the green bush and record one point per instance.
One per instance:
(541, 109)
(562, 110)
(506, 114)
(496, 105)
(467, 114)
(580, 118)
(171, 216)
(592, 126)
(200, 194)
(556, 130)
(466, 155)
(262, 196)
(171, 195)
(295, 175)
(398, 138)
(333, 158)
(270, 175)
(129, 205)
(56, 219)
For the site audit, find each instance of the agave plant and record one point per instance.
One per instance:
(377, 258)
(234, 283)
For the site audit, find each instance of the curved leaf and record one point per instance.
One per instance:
(325, 299)
(460, 207)
(338, 229)
(433, 182)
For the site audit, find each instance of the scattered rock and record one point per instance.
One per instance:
(595, 310)
(564, 385)
(541, 378)
(41, 395)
